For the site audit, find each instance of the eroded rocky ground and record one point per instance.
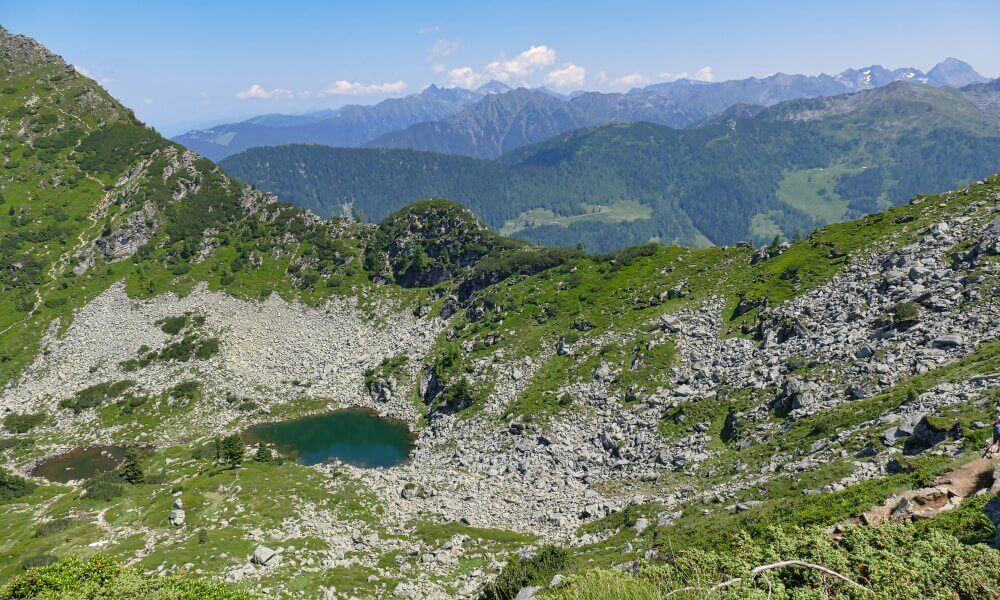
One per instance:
(547, 477)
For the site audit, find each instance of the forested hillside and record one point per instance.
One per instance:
(779, 171)
(797, 421)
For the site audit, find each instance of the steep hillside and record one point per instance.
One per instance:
(691, 415)
(751, 176)
(93, 197)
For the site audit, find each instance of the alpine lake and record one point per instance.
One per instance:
(353, 436)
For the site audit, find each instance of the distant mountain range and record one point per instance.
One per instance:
(495, 119)
(750, 173)
(505, 122)
(351, 125)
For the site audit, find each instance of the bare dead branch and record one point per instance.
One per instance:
(763, 569)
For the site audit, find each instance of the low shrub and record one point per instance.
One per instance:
(22, 422)
(14, 486)
(523, 572)
(102, 577)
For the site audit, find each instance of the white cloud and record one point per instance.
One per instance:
(439, 68)
(257, 92)
(704, 74)
(632, 80)
(601, 77)
(464, 77)
(354, 88)
(86, 73)
(568, 76)
(532, 59)
(426, 30)
(441, 49)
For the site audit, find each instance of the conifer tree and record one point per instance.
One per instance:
(131, 470)
(263, 453)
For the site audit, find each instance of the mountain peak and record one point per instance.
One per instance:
(953, 72)
(16, 48)
(494, 87)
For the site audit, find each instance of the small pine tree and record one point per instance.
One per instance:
(218, 448)
(775, 242)
(131, 470)
(233, 450)
(263, 453)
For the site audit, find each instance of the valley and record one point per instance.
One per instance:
(793, 167)
(235, 397)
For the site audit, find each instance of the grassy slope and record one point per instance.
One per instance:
(615, 295)
(59, 201)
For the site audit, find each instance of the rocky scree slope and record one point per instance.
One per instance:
(617, 404)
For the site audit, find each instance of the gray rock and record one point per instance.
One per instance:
(949, 340)
(603, 372)
(262, 555)
(527, 593)
(177, 517)
(641, 524)
(406, 590)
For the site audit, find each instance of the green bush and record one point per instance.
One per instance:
(115, 146)
(522, 572)
(173, 325)
(968, 522)
(53, 526)
(14, 486)
(131, 469)
(207, 348)
(104, 486)
(231, 450)
(38, 560)
(101, 577)
(457, 396)
(905, 313)
(22, 422)
(189, 390)
(893, 561)
(95, 395)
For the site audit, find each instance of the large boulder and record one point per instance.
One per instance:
(796, 393)
(929, 432)
(177, 517)
(263, 556)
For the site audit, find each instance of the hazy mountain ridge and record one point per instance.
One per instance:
(351, 125)
(749, 175)
(478, 132)
(474, 123)
(691, 413)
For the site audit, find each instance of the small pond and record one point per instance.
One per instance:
(353, 436)
(80, 463)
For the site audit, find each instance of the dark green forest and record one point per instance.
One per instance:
(709, 181)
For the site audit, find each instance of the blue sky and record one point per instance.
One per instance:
(183, 64)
